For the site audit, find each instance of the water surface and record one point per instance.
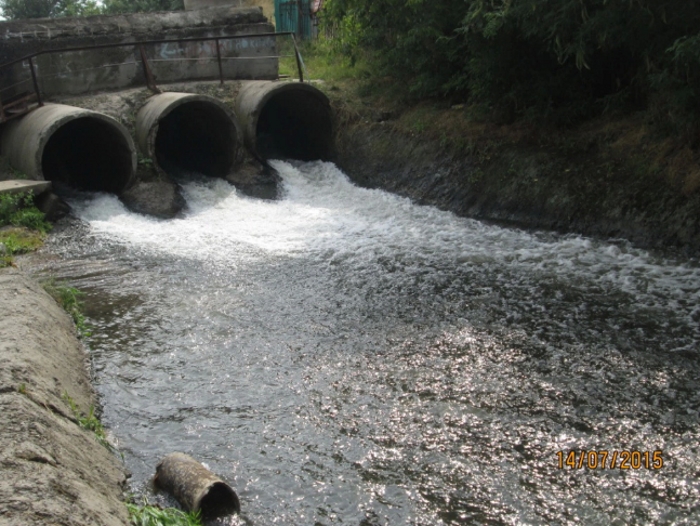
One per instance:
(343, 356)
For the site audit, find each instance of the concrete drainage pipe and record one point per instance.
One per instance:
(82, 148)
(185, 133)
(285, 120)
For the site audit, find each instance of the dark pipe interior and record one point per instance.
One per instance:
(196, 137)
(219, 501)
(89, 154)
(294, 124)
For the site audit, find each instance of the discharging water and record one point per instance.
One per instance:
(343, 356)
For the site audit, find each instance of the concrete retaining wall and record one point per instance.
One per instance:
(54, 471)
(109, 69)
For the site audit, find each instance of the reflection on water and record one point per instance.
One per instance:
(345, 356)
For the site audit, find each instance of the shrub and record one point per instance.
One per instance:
(566, 59)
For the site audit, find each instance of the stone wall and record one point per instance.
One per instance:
(115, 68)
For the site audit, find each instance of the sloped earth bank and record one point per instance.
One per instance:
(608, 180)
(52, 470)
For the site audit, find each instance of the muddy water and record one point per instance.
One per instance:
(343, 356)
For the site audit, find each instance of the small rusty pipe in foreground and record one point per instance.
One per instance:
(195, 487)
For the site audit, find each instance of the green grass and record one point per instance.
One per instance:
(19, 210)
(21, 240)
(23, 226)
(320, 62)
(18, 240)
(69, 298)
(287, 60)
(89, 421)
(148, 515)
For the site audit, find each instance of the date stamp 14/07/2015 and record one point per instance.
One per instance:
(604, 459)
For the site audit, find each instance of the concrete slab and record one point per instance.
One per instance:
(16, 186)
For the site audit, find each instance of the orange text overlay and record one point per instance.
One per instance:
(603, 459)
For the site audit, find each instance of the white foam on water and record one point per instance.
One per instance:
(322, 215)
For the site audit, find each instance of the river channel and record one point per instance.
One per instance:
(344, 356)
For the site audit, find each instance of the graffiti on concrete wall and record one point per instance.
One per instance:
(206, 50)
(84, 70)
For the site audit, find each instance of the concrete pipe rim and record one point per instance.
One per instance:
(218, 500)
(305, 109)
(171, 155)
(121, 143)
(52, 143)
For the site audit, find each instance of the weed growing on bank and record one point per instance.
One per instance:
(148, 515)
(22, 226)
(89, 421)
(19, 210)
(21, 240)
(18, 240)
(69, 298)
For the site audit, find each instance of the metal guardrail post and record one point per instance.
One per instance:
(150, 81)
(298, 57)
(218, 58)
(34, 81)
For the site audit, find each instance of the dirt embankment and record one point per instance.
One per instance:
(53, 471)
(608, 179)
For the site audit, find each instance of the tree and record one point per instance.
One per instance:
(78, 8)
(17, 9)
(566, 59)
(133, 6)
(20, 9)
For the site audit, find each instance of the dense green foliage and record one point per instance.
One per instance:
(565, 58)
(18, 9)
(131, 6)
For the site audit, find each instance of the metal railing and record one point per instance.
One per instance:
(22, 103)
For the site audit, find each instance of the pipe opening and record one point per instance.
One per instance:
(89, 154)
(197, 137)
(219, 501)
(294, 124)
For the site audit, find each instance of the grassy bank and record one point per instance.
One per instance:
(22, 227)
